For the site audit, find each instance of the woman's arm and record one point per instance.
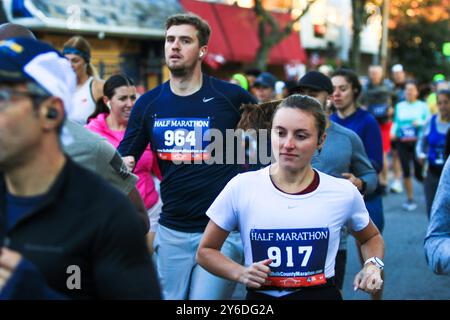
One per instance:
(210, 258)
(372, 245)
(422, 143)
(97, 89)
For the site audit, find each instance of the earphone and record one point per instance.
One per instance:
(108, 104)
(200, 55)
(52, 114)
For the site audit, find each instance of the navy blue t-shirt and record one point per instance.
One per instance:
(168, 122)
(18, 207)
(367, 128)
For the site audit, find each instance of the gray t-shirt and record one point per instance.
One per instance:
(343, 151)
(95, 153)
(437, 240)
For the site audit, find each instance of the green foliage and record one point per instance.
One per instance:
(417, 44)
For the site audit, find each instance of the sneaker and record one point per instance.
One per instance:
(396, 187)
(409, 205)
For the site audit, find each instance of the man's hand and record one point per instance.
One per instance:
(8, 262)
(368, 279)
(129, 162)
(356, 181)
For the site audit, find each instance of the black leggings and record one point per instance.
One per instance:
(430, 186)
(407, 154)
(339, 268)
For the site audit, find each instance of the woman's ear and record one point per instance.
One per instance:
(106, 102)
(321, 141)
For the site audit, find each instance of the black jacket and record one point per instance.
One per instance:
(82, 222)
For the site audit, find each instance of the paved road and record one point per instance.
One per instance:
(407, 276)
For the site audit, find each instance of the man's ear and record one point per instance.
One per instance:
(203, 51)
(51, 113)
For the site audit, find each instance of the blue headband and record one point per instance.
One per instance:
(72, 50)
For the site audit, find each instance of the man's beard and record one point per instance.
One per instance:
(181, 71)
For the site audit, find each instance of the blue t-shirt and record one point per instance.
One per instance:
(367, 128)
(18, 207)
(174, 126)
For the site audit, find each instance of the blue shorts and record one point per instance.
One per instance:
(180, 276)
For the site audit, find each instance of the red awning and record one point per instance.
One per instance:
(234, 34)
(218, 51)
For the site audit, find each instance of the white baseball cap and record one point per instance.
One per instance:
(397, 68)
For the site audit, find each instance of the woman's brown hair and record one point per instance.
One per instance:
(82, 45)
(257, 116)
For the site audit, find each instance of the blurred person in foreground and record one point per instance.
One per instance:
(437, 240)
(64, 231)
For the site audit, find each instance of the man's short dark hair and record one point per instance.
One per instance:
(203, 29)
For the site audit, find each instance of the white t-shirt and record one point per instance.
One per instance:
(83, 104)
(299, 232)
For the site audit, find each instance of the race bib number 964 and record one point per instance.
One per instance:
(181, 138)
(298, 255)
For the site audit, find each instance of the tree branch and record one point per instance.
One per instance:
(276, 34)
(288, 28)
(266, 17)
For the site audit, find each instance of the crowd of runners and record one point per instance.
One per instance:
(105, 193)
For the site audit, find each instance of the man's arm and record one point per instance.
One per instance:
(136, 138)
(373, 144)
(111, 167)
(20, 279)
(437, 240)
(95, 153)
(361, 165)
(139, 204)
(122, 265)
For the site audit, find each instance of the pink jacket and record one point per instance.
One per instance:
(145, 166)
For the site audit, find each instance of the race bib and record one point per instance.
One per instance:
(408, 133)
(379, 110)
(298, 255)
(439, 156)
(183, 139)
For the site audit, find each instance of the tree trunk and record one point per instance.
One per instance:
(268, 39)
(261, 58)
(358, 16)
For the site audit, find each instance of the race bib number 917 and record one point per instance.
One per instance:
(183, 139)
(298, 255)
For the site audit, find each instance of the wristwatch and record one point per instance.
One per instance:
(376, 261)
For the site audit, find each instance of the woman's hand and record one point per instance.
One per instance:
(368, 279)
(255, 275)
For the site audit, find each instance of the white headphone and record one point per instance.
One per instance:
(201, 54)
(108, 104)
